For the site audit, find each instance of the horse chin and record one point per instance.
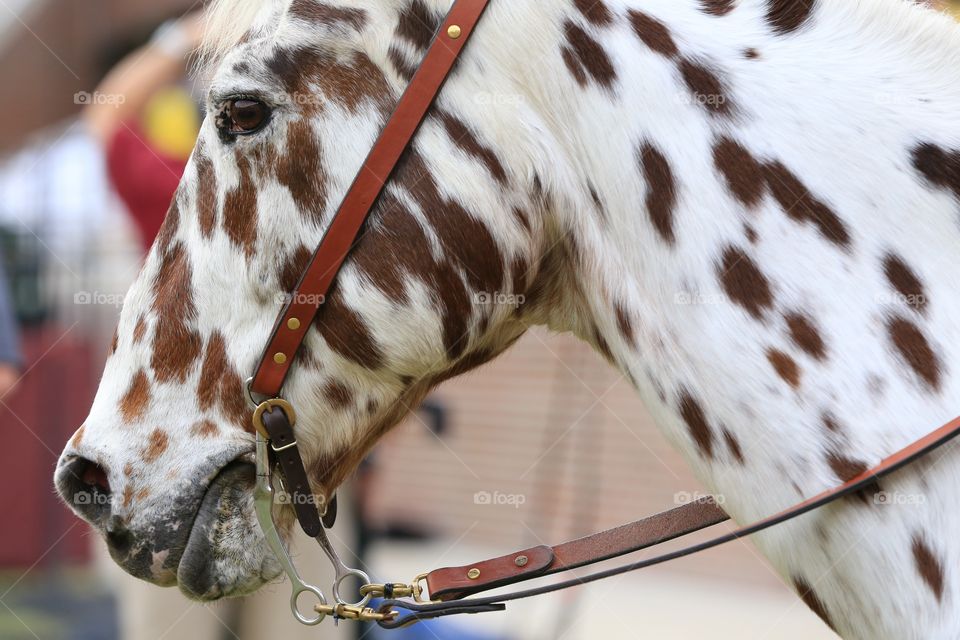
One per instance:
(226, 554)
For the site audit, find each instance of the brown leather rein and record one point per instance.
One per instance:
(449, 587)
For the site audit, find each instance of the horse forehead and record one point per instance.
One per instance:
(284, 28)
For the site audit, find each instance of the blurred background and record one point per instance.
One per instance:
(546, 444)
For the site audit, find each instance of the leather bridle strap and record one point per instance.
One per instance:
(454, 583)
(450, 581)
(304, 303)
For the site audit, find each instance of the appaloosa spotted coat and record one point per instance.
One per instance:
(750, 207)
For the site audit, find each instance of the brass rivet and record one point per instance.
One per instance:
(521, 561)
(279, 358)
(293, 324)
(454, 31)
(473, 574)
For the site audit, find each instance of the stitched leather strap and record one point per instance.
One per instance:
(453, 583)
(297, 317)
(895, 462)
(283, 446)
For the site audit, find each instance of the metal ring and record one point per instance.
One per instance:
(254, 403)
(302, 619)
(278, 403)
(364, 579)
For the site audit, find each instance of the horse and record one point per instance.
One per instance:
(748, 207)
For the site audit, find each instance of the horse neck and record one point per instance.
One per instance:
(698, 288)
(700, 226)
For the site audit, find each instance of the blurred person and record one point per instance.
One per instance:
(146, 121)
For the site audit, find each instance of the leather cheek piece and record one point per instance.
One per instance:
(283, 447)
(330, 515)
(394, 139)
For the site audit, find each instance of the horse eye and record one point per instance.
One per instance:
(246, 116)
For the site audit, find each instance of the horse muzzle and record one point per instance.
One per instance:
(201, 535)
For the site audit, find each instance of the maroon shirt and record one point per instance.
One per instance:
(144, 178)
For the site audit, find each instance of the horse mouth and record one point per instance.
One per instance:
(225, 553)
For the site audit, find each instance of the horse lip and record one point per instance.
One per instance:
(194, 566)
(215, 470)
(160, 537)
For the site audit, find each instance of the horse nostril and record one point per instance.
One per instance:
(93, 475)
(84, 485)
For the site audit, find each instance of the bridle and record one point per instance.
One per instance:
(276, 447)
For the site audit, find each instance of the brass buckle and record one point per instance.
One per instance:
(272, 403)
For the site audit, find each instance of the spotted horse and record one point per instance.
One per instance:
(751, 208)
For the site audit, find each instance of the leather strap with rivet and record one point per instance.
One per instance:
(305, 301)
(453, 584)
(458, 582)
